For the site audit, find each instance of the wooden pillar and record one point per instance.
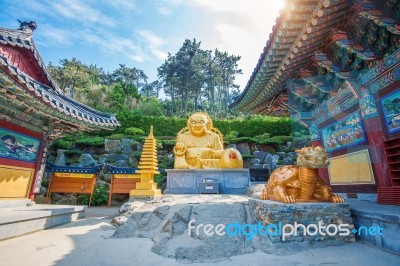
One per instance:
(375, 136)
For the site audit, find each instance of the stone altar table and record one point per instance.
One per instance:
(186, 181)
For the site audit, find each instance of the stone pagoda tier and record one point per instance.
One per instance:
(148, 167)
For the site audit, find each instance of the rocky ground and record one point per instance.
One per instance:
(165, 221)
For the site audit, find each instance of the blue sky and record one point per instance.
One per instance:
(140, 33)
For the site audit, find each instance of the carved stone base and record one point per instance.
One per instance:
(269, 212)
(186, 181)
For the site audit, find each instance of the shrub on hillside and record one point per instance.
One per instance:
(62, 144)
(94, 141)
(134, 131)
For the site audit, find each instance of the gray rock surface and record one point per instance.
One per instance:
(60, 159)
(112, 145)
(166, 222)
(288, 161)
(255, 191)
(260, 155)
(87, 160)
(243, 148)
(127, 146)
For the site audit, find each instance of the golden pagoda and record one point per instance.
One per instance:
(147, 169)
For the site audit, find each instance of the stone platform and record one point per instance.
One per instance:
(186, 181)
(335, 216)
(19, 220)
(369, 214)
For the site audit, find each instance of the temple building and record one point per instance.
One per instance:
(334, 66)
(33, 113)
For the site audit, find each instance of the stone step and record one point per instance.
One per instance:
(21, 220)
(370, 214)
(14, 203)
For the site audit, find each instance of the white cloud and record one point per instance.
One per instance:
(54, 35)
(167, 7)
(152, 42)
(36, 6)
(159, 54)
(76, 10)
(121, 4)
(110, 43)
(151, 39)
(164, 10)
(240, 28)
(137, 58)
(125, 47)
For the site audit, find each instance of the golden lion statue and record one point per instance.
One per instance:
(301, 183)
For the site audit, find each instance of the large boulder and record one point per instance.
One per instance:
(127, 146)
(87, 160)
(243, 148)
(60, 160)
(260, 155)
(288, 160)
(113, 158)
(67, 200)
(255, 191)
(275, 159)
(112, 145)
(121, 163)
(281, 154)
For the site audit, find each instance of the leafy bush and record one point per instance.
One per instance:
(73, 152)
(73, 160)
(120, 136)
(276, 140)
(62, 144)
(243, 139)
(158, 179)
(169, 126)
(136, 154)
(297, 134)
(115, 137)
(167, 142)
(45, 182)
(100, 197)
(263, 136)
(94, 141)
(134, 131)
(248, 156)
(166, 138)
(282, 139)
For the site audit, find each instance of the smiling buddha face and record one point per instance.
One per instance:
(197, 124)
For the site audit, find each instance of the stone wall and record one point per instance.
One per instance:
(271, 212)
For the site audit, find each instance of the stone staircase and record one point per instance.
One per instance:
(370, 214)
(20, 217)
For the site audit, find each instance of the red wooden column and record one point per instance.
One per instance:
(375, 136)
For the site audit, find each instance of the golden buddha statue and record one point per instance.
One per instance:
(200, 146)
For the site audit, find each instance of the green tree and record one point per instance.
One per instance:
(72, 75)
(150, 106)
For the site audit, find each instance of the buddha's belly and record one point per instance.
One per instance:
(196, 152)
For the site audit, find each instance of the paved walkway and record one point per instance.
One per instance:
(88, 242)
